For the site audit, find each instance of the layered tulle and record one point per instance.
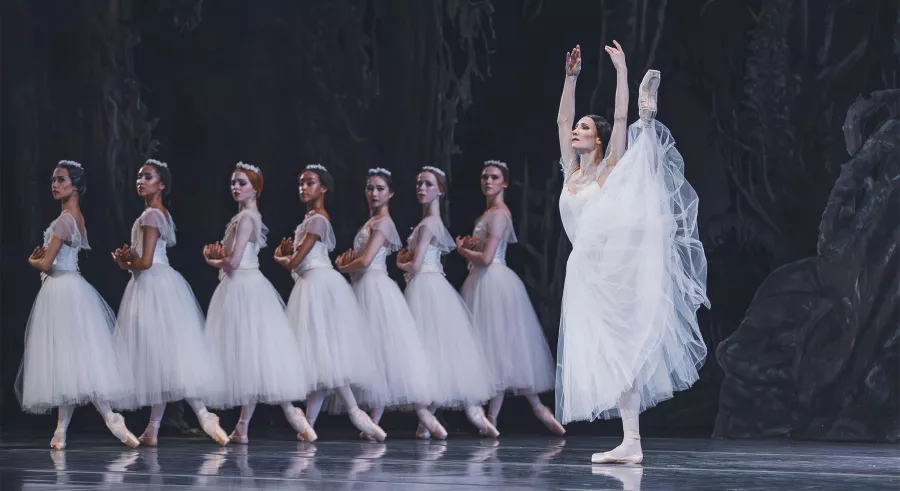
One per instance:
(69, 354)
(248, 330)
(160, 333)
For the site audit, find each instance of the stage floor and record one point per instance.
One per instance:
(513, 462)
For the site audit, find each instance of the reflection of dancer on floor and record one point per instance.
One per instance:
(507, 326)
(636, 276)
(330, 327)
(160, 325)
(246, 324)
(399, 352)
(69, 356)
(463, 377)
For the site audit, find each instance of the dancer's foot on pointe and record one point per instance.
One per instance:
(544, 414)
(434, 427)
(210, 425)
(150, 436)
(629, 452)
(305, 431)
(363, 422)
(116, 424)
(239, 435)
(58, 442)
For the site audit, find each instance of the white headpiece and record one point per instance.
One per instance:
(379, 170)
(317, 166)
(499, 163)
(241, 165)
(70, 163)
(435, 170)
(156, 163)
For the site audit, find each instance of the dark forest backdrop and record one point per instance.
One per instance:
(800, 200)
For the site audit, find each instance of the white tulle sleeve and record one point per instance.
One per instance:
(156, 219)
(66, 228)
(440, 236)
(260, 231)
(499, 224)
(389, 230)
(318, 225)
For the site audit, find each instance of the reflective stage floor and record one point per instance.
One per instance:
(513, 462)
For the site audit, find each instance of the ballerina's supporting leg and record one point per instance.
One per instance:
(544, 414)
(479, 419)
(62, 426)
(208, 421)
(430, 422)
(314, 402)
(116, 424)
(494, 408)
(150, 436)
(629, 452)
(242, 428)
(297, 419)
(359, 418)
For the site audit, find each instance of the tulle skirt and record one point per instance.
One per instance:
(462, 375)
(399, 353)
(333, 335)
(160, 333)
(509, 330)
(249, 332)
(69, 353)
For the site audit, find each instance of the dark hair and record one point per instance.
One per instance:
(501, 166)
(440, 178)
(165, 175)
(604, 130)
(76, 175)
(325, 178)
(384, 174)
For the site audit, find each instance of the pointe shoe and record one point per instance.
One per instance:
(435, 427)
(210, 425)
(629, 452)
(58, 442)
(478, 418)
(305, 431)
(239, 435)
(363, 422)
(149, 437)
(422, 432)
(116, 424)
(546, 416)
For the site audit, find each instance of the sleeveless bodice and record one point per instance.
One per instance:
(571, 206)
(432, 261)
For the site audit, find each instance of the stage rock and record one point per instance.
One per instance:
(817, 355)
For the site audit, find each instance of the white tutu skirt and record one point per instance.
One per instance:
(334, 341)
(249, 332)
(69, 355)
(399, 353)
(462, 375)
(160, 333)
(509, 330)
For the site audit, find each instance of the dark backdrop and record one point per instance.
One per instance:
(756, 92)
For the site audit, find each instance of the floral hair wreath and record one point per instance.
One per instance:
(316, 167)
(498, 163)
(241, 165)
(69, 163)
(435, 170)
(379, 170)
(156, 163)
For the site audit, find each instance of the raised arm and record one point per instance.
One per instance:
(565, 120)
(618, 139)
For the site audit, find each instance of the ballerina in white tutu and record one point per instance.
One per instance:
(508, 328)
(397, 348)
(463, 378)
(246, 324)
(330, 326)
(69, 357)
(628, 336)
(160, 325)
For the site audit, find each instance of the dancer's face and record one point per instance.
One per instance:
(492, 182)
(148, 181)
(241, 189)
(584, 136)
(427, 189)
(311, 187)
(61, 185)
(378, 193)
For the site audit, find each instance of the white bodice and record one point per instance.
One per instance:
(250, 256)
(166, 235)
(480, 234)
(67, 258)
(571, 206)
(317, 257)
(379, 262)
(432, 261)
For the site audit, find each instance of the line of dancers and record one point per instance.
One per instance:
(337, 345)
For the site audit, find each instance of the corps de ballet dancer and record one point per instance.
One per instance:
(69, 357)
(246, 324)
(398, 350)
(462, 376)
(637, 272)
(322, 309)
(160, 324)
(503, 316)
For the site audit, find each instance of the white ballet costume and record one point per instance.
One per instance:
(334, 339)
(507, 325)
(249, 332)
(636, 276)
(398, 351)
(160, 332)
(463, 379)
(69, 357)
